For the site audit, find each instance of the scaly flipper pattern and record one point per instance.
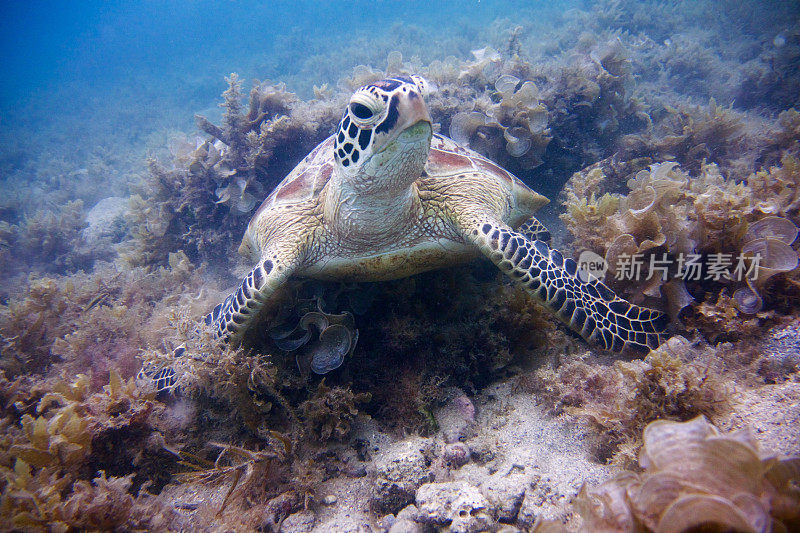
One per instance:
(534, 230)
(230, 319)
(582, 302)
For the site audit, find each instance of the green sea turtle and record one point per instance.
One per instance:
(385, 197)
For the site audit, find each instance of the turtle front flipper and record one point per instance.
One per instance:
(534, 230)
(579, 300)
(229, 320)
(245, 307)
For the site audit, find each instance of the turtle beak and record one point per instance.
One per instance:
(413, 120)
(415, 110)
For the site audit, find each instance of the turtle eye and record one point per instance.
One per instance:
(360, 111)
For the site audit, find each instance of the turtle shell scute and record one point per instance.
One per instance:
(448, 157)
(306, 181)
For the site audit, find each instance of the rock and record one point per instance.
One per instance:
(278, 507)
(455, 506)
(456, 417)
(330, 499)
(541, 502)
(482, 450)
(404, 525)
(355, 470)
(410, 512)
(505, 491)
(384, 523)
(780, 354)
(456, 454)
(106, 221)
(400, 470)
(404, 522)
(301, 522)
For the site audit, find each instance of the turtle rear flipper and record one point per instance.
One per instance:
(579, 300)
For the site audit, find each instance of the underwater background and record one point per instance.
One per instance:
(138, 138)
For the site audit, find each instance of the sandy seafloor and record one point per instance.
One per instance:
(664, 129)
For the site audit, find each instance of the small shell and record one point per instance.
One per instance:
(747, 300)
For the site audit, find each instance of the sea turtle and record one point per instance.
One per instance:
(385, 197)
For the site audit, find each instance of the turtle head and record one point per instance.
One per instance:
(384, 136)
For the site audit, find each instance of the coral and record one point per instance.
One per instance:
(330, 411)
(695, 477)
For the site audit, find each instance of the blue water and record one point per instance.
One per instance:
(107, 81)
(47, 46)
(79, 77)
(46, 41)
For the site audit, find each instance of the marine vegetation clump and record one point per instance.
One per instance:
(523, 114)
(209, 370)
(678, 381)
(47, 241)
(720, 320)
(668, 214)
(201, 200)
(696, 478)
(471, 330)
(70, 436)
(515, 113)
(459, 326)
(330, 411)
(692, 135)
(251, 476)
(99, 320)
